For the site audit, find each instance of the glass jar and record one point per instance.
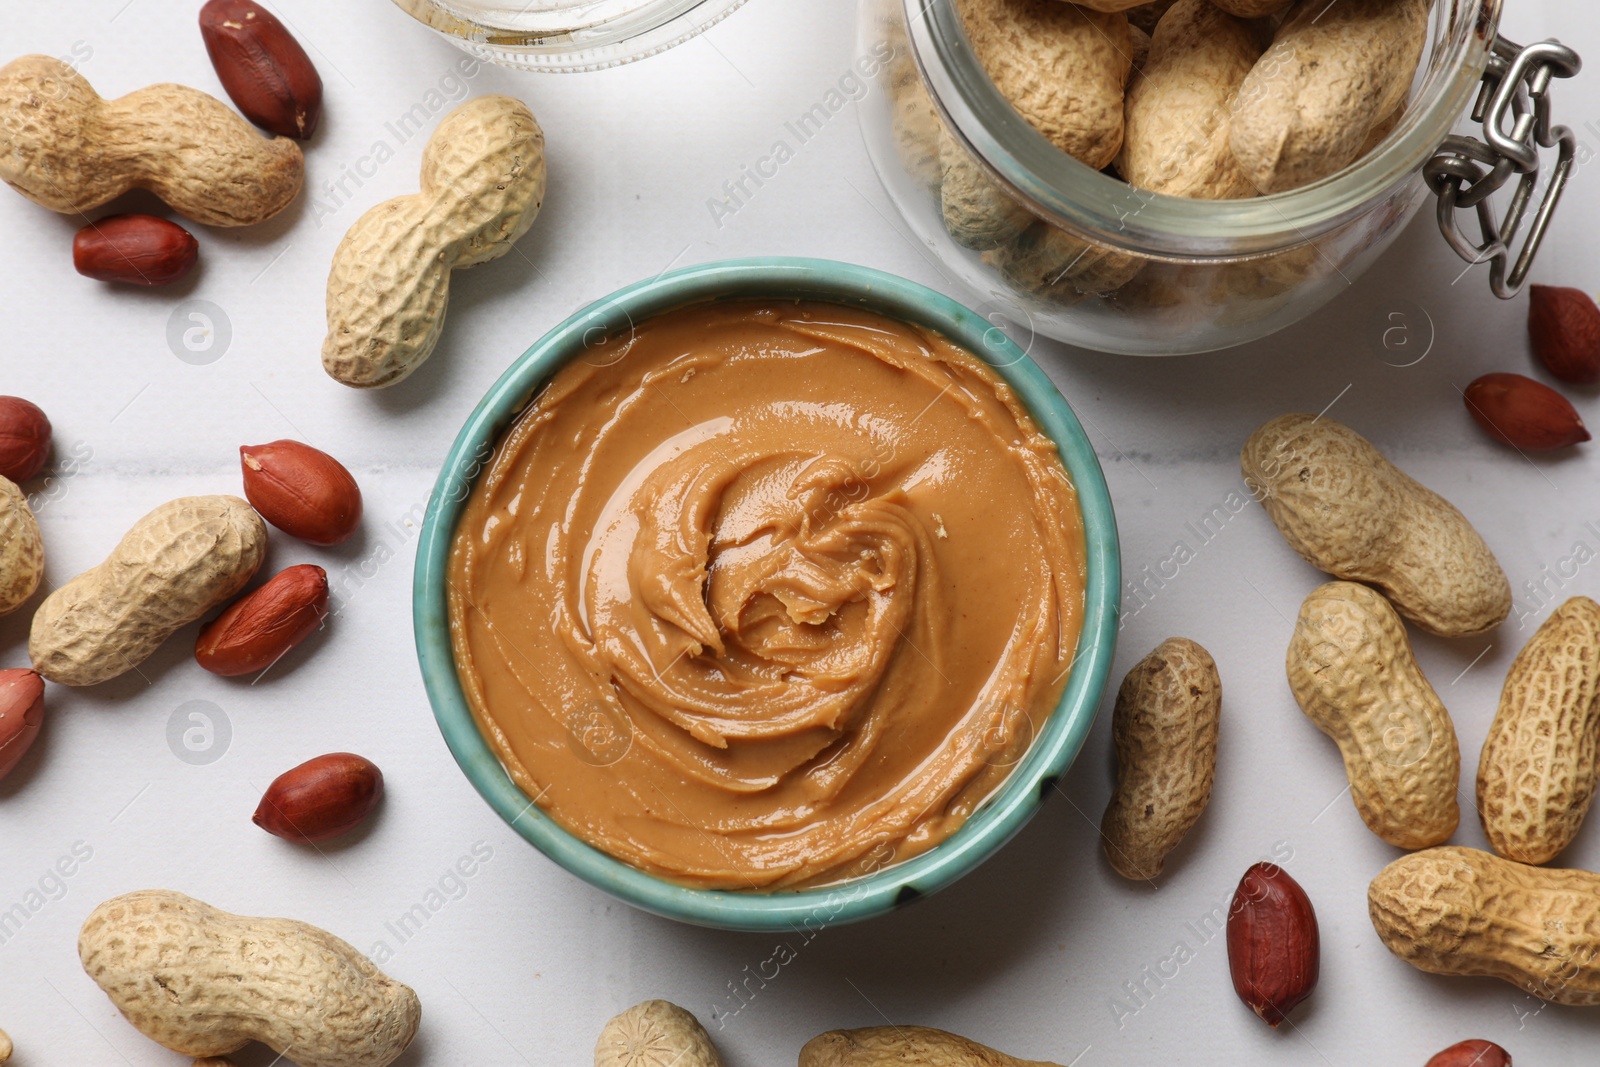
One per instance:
(1084, 257)
(560, 36)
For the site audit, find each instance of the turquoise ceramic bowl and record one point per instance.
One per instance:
(1001, 816)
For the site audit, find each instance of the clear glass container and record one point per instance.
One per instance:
(560, 36)
(1086, 258)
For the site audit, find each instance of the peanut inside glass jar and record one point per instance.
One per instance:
(1098, 263)
(767, 594)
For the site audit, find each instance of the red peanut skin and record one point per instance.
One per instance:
(257, 630)
(21, 715)
(1473, 1053)
(135, 250)
(24, 439)
(321, 799)
(1272, 932)
(1564, 326)
(1525, 414)
(266, 73)
(302, 491)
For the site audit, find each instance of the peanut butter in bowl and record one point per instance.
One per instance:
(764, 594)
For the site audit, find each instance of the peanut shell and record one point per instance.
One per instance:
(1351, 670)
(1176, 141)
(978, 214)
(655, 1034)
(1164, 728)
(1334, 71)
(206, 983)
(1461, 911)
(1541, 761)
(71, 151)
(1062, 67)
(483, 181)
(177, 563)
(905, 1046)
(1348, 511)
(21, 548)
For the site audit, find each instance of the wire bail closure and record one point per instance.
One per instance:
(1514, 107)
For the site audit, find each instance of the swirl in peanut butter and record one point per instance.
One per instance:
(765, 594)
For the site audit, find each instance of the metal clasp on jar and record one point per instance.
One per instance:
(1514, 108)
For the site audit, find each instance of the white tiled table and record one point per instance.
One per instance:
(1044, 951)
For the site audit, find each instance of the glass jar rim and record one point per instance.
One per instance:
(1062, 189)
(583, 46)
